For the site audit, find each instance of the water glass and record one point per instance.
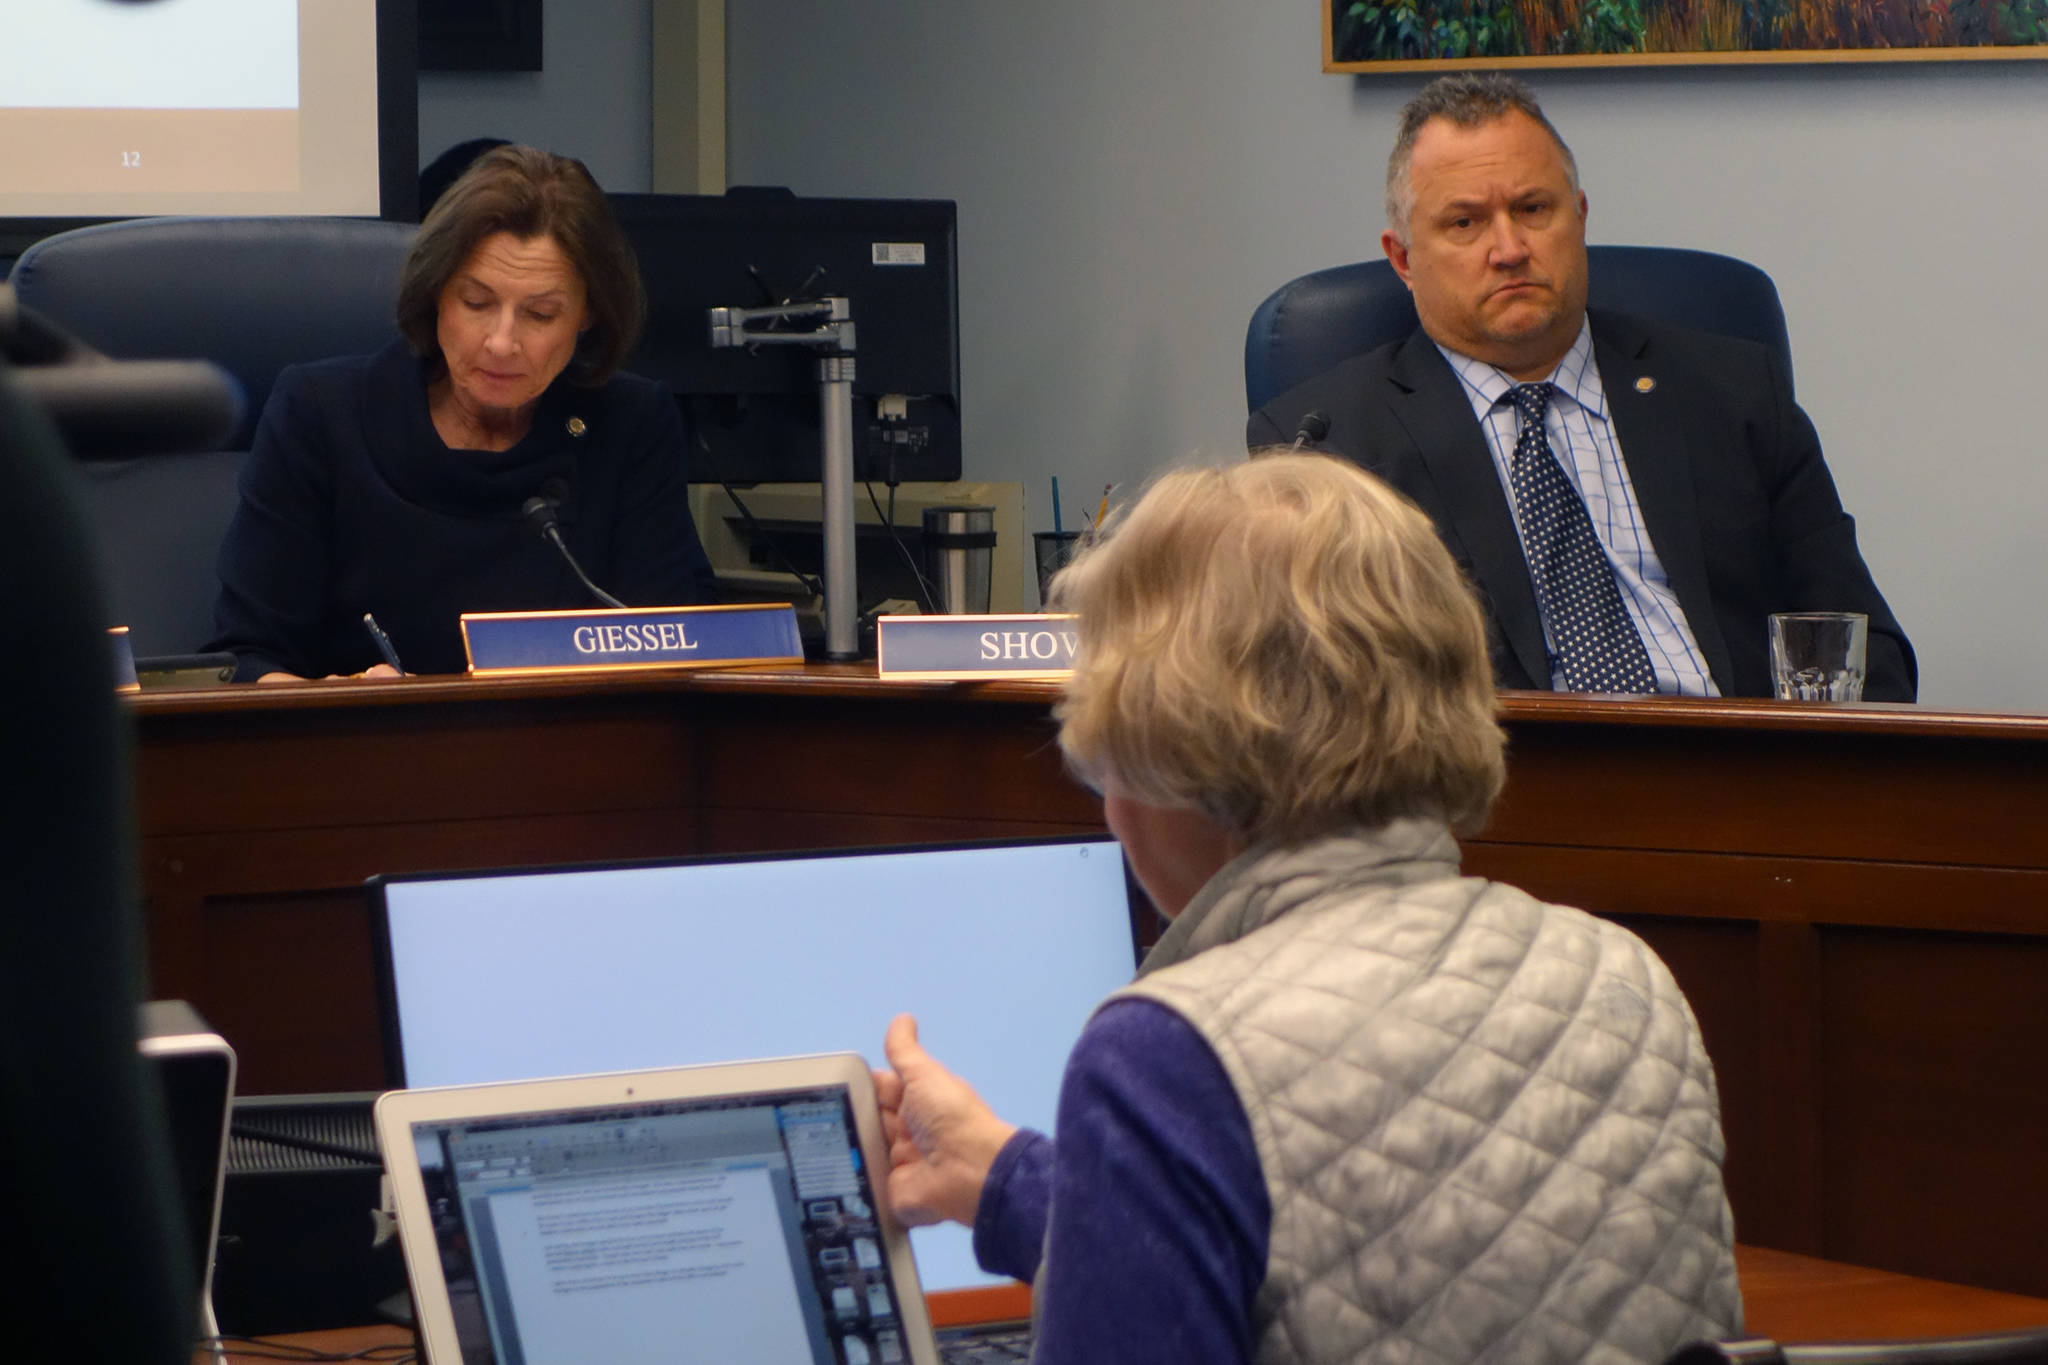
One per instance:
(1819, 655)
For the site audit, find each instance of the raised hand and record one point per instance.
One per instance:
(942, 1137)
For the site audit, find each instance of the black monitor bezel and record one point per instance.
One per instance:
(755, 417)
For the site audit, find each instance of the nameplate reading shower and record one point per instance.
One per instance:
(974, 648)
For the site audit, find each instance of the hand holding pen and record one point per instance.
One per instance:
(383, 642)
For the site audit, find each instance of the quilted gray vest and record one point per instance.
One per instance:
(1488, 1126)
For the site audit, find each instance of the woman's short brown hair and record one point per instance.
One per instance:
(1285, 645)
(528, 193)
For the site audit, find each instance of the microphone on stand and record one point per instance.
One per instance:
(543, 513)
(1314, 427)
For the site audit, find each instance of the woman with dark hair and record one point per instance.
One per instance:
(392, 484)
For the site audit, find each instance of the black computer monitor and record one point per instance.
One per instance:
(754, 412)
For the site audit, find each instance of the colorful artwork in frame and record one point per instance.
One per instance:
(1386, 36)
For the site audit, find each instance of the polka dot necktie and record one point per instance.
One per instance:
(1598, 649)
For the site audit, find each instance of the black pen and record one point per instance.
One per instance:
(383, 644)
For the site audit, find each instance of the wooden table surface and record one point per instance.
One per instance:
(1787, 1298)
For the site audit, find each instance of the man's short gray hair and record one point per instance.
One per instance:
(1467, 99)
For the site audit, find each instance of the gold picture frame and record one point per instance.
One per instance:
(1381, 37)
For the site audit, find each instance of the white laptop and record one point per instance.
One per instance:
(717, 1213)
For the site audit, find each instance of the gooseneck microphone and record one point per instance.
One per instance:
(543, 513)
(1314, 427)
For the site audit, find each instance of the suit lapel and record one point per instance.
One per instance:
(1432, 408)
(1650, 423)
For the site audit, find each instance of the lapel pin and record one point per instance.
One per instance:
(1645, 384)
(576, 427)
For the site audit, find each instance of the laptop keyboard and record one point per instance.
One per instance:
(985, 1345)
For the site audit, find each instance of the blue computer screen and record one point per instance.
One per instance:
(1002, 951)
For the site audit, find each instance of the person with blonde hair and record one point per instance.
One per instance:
(1356, 1107)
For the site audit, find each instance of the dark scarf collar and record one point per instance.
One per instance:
(420, 467)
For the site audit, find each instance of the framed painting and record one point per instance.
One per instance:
(1376, 36)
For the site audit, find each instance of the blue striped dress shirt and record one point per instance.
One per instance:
(1582, 437)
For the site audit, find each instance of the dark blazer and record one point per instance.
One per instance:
(350, 502)
(1727, 469)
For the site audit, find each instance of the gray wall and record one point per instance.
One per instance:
(591, 101)
(1133, 179)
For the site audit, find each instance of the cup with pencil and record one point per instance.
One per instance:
(1056, 547)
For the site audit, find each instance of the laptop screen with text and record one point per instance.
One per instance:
(1001, 951)
(744, 1227)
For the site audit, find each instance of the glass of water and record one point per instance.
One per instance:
(1818, 655)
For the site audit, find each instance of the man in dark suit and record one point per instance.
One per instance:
(1633, 500)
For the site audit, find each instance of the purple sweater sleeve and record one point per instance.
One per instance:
(1009, 1223)
(1155, 1202)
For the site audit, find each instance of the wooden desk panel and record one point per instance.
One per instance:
(1787, 1297)
(1854, 899)
(1856, 903)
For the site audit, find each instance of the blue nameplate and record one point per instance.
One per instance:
(501, 642)
(971, 648)
(124, 660)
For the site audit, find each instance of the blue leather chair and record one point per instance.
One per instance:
(1311, 323)
(253, 295)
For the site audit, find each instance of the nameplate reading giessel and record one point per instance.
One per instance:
(974, 648)
(505, 642)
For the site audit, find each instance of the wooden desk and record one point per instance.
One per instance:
(1786, 1297)
(392, 1344)
(1855, 899)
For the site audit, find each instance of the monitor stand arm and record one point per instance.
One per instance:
(832, 334)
